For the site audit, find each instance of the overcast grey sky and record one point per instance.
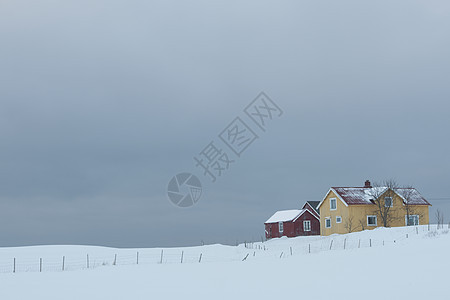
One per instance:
(102, 102)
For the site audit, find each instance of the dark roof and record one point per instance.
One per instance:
(314, 205)
(411, 196)
(364, 195)
(357, 195)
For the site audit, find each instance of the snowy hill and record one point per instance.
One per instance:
(405, 263)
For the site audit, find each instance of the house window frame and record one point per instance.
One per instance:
(307, 228)
(335, 203)
(392, 201)
(280, 227)
(376, 221)
(418, 220)
(340, 219)
(327, 219)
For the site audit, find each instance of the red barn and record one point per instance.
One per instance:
(294, 222)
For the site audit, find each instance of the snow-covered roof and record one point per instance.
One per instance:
(284, 215)
(359, 195)
(411, 196)
(364, 195)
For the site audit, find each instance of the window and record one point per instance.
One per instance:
(280, 226)
(412, 220)
(338, 219)
(306, 225)
(371, 220)
(333, 203)
(327, 222)
(388, 202)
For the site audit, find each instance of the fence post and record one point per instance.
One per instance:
(87, 261)
(200, 259)
(428, 226)
(290, 248)
(40, 264)
(370, 242)
(115, 260)
(64, 258)
(137, 257)
(162, 251)
(14, 267)
(281, 254)
(417, 230)
(245, 257)
(254, 253)
(331, 244)
(345, 241)
(359, 243)
(182, 253)
(406, 235)
(309, 248)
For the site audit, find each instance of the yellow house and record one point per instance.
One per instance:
(350, 209)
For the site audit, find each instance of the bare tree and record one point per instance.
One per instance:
(362, 224)
(440, 219)
(352, 225)
(349, 225)
(384, 204)
(407, 194)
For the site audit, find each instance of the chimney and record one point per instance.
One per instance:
(367, 184)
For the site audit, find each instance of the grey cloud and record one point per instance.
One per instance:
(102, 102)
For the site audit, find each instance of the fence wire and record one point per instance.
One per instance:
(242, 252)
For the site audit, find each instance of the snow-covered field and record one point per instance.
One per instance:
(402, 263)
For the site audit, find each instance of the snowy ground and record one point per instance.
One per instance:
(404, 263)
